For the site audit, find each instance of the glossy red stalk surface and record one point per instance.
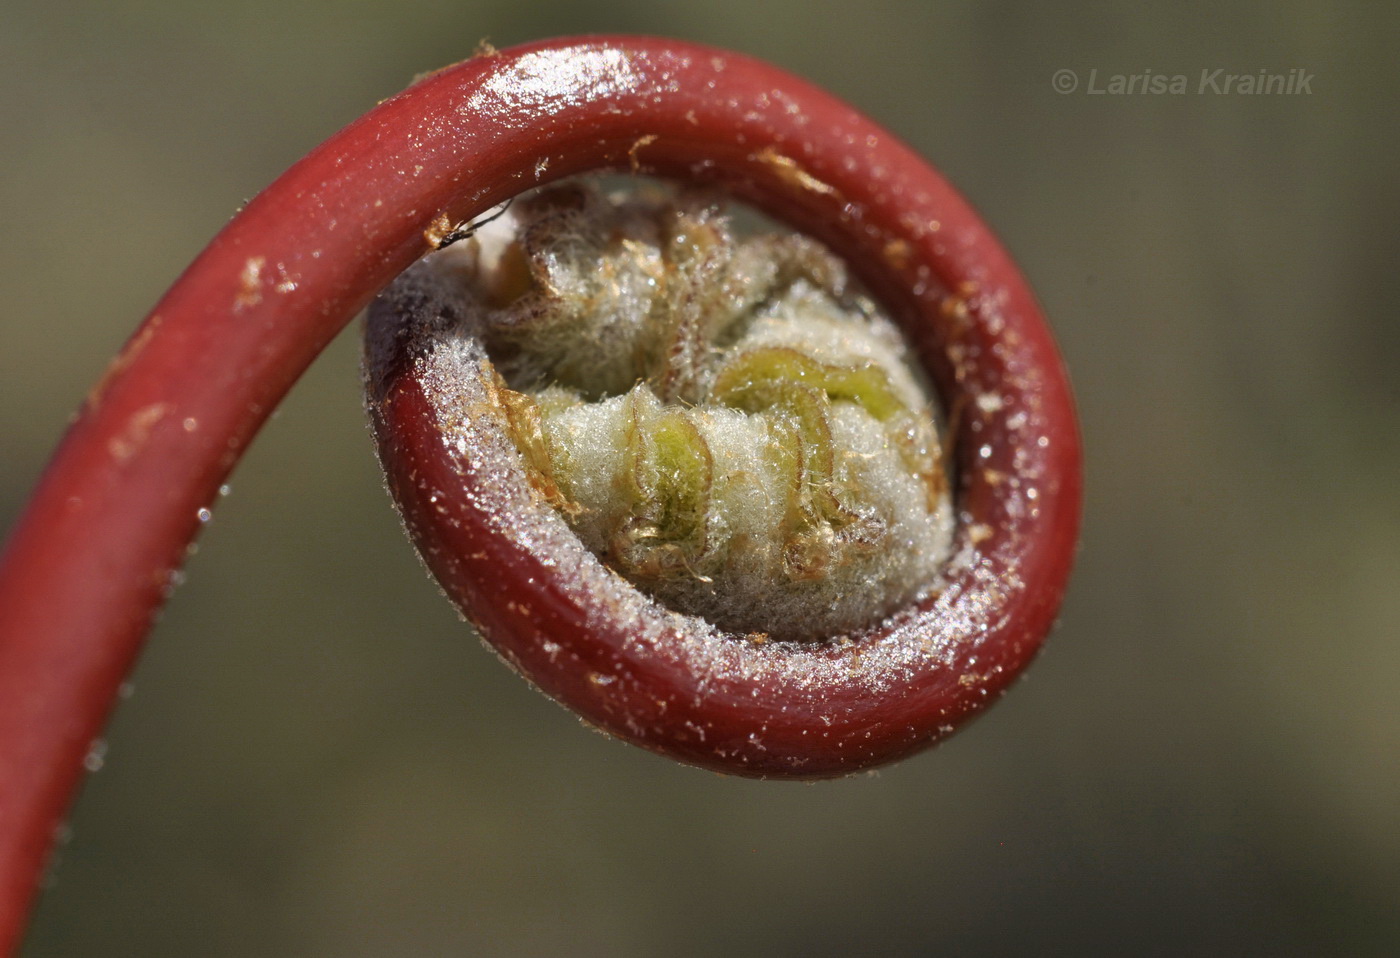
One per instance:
(90, 561)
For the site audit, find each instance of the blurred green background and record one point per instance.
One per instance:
(319, 759)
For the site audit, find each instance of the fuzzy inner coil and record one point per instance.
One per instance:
(722, 419)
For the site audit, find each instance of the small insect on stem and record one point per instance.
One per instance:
(441, 235)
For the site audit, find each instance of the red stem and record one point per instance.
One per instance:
(90, 560)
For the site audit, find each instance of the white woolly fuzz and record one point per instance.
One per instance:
(721, 420)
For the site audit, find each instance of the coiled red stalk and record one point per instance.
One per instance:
(90, 560)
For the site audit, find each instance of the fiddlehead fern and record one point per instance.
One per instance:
(86, 567)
